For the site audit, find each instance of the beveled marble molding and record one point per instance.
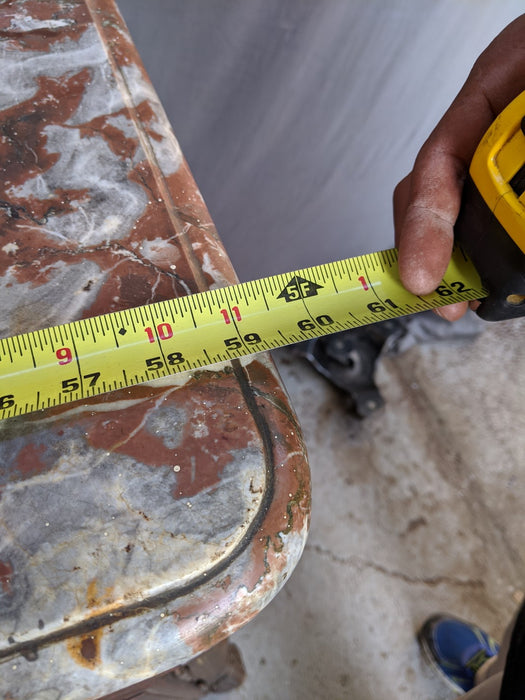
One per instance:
(139, 528)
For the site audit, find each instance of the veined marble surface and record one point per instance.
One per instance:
(139, 528)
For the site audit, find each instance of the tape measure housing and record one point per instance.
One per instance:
(491, 222)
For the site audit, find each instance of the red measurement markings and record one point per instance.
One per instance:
(164, 332)
(364, 283)
(64, 356)
(235, 312)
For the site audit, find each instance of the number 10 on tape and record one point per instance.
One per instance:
(44, 368)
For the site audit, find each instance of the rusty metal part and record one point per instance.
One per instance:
(348, 359)
(218, 670)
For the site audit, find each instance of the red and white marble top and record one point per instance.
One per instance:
(139, 528)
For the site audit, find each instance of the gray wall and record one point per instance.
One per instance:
(298, 117)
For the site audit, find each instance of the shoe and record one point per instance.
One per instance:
(456, 649)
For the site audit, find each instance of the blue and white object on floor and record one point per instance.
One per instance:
(457, 649)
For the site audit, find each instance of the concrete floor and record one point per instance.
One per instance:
(417, 509)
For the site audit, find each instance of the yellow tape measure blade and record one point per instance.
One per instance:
(85, 358)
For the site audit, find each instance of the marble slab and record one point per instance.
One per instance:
(139, 528)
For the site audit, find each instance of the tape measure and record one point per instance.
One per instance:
(92, 356)
(83, 359)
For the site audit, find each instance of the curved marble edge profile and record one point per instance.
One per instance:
(110, 640)
(102, 653)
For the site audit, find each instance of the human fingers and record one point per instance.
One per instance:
(427, 202)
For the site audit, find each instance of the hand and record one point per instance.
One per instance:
(427, 202)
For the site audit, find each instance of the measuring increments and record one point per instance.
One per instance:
(92, 356)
